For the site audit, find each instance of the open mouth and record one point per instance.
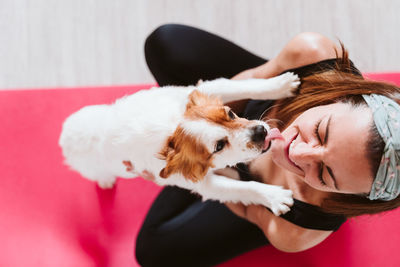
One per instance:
(287, 151)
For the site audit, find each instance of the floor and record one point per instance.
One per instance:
(67, 43)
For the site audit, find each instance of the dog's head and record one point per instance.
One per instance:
(211, 136)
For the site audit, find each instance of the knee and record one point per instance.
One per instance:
(158, 44)
(158, 36)
(311, 46)
(149, 250)
(142, 252)
(142, 255)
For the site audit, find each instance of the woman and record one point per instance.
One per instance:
(330, 154)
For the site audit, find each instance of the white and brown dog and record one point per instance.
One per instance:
(181, 135)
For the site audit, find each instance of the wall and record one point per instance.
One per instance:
(49, 43)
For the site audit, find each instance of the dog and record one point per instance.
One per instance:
(180, 135)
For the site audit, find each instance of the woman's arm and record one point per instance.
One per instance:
(304, 49)
(282, 234)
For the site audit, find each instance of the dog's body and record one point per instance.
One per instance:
(180, 135)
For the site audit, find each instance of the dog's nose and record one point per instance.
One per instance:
(259, 133)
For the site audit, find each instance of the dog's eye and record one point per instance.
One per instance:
(220, 145)
(231, 115)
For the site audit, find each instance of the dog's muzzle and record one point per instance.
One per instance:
(259, 133)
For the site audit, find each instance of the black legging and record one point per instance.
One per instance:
(180, 229)
(181, 55)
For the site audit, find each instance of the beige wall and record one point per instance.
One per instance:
(46, 43)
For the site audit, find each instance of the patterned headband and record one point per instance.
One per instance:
(386, 113)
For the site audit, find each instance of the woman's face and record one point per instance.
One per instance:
(326, 146)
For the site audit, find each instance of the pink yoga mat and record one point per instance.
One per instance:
(50, 216)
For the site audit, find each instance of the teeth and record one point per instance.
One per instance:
(291, 145)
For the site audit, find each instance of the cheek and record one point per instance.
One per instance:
(314, 182)
(307, 117)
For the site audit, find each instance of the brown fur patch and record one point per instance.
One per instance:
(211, 109)
(250, 145)
(185, 155)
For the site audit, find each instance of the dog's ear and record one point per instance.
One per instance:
(184, 155)
(167, 170)
(196, 98)
(167, 153)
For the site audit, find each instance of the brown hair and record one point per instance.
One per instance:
(342, 85)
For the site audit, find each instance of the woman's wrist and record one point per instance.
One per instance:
(267, 70)
(246, 74)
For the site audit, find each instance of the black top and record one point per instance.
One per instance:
(302, 214)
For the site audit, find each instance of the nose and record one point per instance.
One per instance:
(305, 153)
(259, 133)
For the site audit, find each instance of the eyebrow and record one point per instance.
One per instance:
(325, 141)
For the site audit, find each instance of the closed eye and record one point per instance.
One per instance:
(316, 131)
(320, 165)
(321, 171)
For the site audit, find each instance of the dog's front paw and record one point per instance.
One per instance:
(287, 83)
(278, 200)
(282, 204)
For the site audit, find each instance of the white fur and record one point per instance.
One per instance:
(97, 139)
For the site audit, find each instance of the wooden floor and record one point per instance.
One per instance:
(49, 43)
